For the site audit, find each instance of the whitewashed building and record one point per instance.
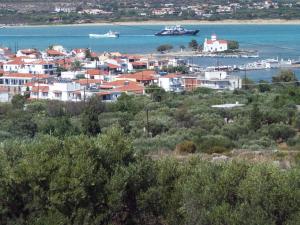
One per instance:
(215, 45)
(19, 65)
(171, 82)
(62, 90)
(219, 80)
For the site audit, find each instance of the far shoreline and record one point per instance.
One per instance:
(169, 22)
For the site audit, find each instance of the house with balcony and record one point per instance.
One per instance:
(61, 90)
(39, 91)
(22, 65)
(219, 80)
(64, 90)
(15, 81)
(171, 82)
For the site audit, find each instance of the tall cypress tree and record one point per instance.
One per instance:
(90, 119)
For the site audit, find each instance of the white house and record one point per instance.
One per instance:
(71, 74)
(62, 90)
(16, 81)
(30, 53)
(38, 67)
(29, 66)
(219, 80)
(64, 9)
(171, 82)
(214, 45)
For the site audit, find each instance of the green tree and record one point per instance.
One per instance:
(193, 44)
(255, 117)
(264, 86)
(285, 76)
(18, 101)
(157, 93)
(164, 48)
(90, 118)
(88, 54)
(233, 45)
(76, 65)
(248, 84)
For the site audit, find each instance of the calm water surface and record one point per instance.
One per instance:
(271, 41)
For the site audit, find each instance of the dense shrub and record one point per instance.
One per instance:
(186, 147)
(210, 142)
(279, 132)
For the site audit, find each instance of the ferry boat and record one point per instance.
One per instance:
(109, 34)
(176, 31)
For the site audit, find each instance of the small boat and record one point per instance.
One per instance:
(109, 34)
(176, 31)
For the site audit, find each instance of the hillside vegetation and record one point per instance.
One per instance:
(106, 163)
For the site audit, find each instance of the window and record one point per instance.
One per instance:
(57, 95)
(45, 94)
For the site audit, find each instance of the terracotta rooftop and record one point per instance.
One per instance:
(209, 42)
(89, 81)
(25, 75)
(171, 75)
(54, 52)
(146, 75)
(42, 89)
(97, 72)
(131, 87)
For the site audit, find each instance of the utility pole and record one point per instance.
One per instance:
(245, 78)
(147, 116)
(38, 92)
(84, 95)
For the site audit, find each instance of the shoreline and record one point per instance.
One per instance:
(169, 22)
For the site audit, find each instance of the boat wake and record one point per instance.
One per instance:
(38, 35)
(138, 35)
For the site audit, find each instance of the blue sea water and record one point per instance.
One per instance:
(270, 41)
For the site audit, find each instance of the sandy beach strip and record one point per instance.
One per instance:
(177, 22)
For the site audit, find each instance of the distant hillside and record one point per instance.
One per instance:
(78, 11)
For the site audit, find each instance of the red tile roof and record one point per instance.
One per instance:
(54, 52)
(146, 75)
(118, 83)
(209, 42)
(25, 75)
(16, 61)
(112, 66)
(43, 89)
(131, 87)
(93, 72)
(171, 75)
(139, 63)
(89, 81)
(102, 93)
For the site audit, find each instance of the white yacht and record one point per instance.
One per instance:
(110, 34)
